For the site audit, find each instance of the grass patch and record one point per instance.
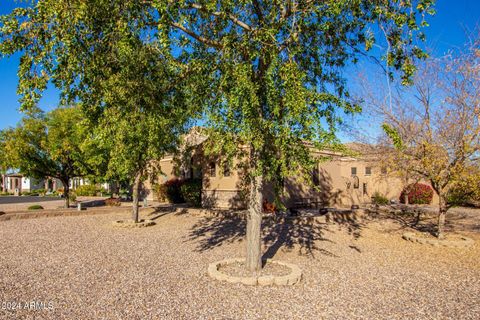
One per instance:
(35, 207)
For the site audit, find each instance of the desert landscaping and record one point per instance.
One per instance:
(354, 267)
(240, 159)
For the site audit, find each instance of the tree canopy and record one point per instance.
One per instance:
(54, 144)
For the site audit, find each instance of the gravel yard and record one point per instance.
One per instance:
(86, 269)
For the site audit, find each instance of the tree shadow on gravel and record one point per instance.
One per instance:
(426, 222)
(302, 233)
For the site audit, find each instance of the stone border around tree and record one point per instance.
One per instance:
(130, 224)
(464, 241)
(290, 279)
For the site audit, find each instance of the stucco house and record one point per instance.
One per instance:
(17, 183)
(341, 181)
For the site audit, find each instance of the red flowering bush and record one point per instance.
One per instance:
(269, 207)
(418, 193)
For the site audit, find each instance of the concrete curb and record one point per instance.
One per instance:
(290, 279)
(464, 242)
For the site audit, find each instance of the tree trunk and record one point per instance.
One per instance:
(136, 189)
(442, 204)
(66, 193)
(254, 224)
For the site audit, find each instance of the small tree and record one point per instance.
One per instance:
(50, 145)
(434, 126)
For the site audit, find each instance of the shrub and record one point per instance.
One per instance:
(160, 191)
(35, 207)
(40, 191)
(174, 194)
(191, 191)
(87, 190)
(269, 207)
(112, 202)
(419, 194)
(379, 199)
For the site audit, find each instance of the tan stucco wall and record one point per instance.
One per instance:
(167, 167)
(335, 188)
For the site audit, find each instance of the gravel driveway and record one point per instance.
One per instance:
(85, 269)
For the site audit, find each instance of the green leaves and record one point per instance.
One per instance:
(393, 134)
(51, 144)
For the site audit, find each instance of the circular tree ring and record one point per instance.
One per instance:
(130, 224)
(293, 277)
(457, 242)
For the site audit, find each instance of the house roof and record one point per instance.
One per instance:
(14, 175)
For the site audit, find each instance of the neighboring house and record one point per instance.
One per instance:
(17, 183)
(76, 182)
(340, 181)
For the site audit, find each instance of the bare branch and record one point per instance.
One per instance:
(208, 42)
(231, 17)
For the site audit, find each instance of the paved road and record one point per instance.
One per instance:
(26, 199)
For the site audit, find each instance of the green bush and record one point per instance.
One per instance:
(379, 199)
(35, 207)
(191, 191)
(88, 190)
(173, 192)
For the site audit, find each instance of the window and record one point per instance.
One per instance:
(211, 169)
(368, 171)
(226, 169)
(354, 171)
(365, 190)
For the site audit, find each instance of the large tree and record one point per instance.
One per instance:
(51, 145)
(275, 66)
(278, 68)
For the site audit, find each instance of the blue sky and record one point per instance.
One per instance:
(446, 31)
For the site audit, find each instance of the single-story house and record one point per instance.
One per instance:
(341, 181)
(17, 183)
